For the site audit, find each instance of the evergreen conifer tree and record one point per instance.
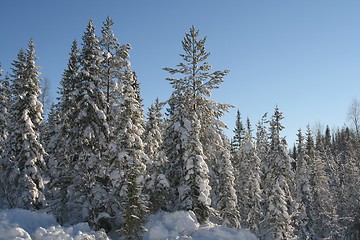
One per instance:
(88, 135)
(5, 97)
(227, 204)
(132, 158)
(61, 163)
(174, 142)
(262, 143)
(194, 189)
(239, 132)
(157, 184)
(193, 90)
(303, 190)
(113, 68)
(239, 165)
(51, 137)
(252, 190)
(278, 184)
(322, 202)
(348, 192)
(23, 157)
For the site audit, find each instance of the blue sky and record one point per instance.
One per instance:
(303, 56)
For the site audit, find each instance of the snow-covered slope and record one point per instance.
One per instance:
(22, 224)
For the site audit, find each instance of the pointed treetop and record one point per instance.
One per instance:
(190, 41)
(248, 126)
(309, 142)
(198, 81)
(90, 26)
(106, 29)
(276, 127)
(319, 141)
(327, 139)
(89, 36)
(30, 62)
(300, 141)
(108, 21)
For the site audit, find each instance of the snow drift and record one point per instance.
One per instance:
(22, 224)
(26, 225)
(184, 225)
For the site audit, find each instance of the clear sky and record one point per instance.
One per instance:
(303, 56)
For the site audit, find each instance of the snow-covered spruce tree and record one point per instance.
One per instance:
(262, 143)
(153, 135)
(194, 190)
(331, 165)
(252, 190)
(217, 149)
(188, 170)
(249, 127)
(136, 87)
(88, 137)
(318, 186)
(23, 153)
(61, 162)
(245, 158)
(53, 130)
(195, 87)
(46, 101)
(5, 97)
(131, 158)
(227, 199)
(157, 185)
(242, 159)
(239, 164)
(239, 132)
(113, 68)
(174, 141)
(45, 97)
(348, 192)
(278, 183)
(303, 191)
(323, 210)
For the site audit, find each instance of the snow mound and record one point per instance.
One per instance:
(221, 232)
(26, 225)
(22, 224)
(184, 225)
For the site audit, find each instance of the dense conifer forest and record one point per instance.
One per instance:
(99, 157)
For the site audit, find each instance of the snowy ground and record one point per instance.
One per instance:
(22, 224)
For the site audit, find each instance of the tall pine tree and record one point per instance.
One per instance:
(115, 62)
(193, 90)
